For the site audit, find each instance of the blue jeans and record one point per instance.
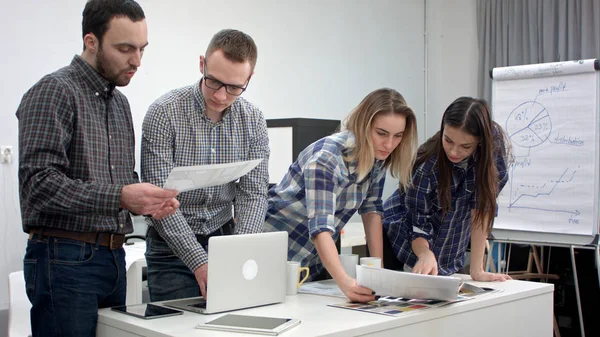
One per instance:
(67, 281)
(168, 277)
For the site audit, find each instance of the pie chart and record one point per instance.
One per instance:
(529, 124)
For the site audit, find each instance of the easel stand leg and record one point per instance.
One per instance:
(577, 291)
(598, 262)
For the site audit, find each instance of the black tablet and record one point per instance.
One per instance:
(147, 311)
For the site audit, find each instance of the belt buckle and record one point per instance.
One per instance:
(112, 243)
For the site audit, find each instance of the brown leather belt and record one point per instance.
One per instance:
(110, 240)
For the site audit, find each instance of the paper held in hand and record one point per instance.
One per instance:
(187, 178)
(408, 285)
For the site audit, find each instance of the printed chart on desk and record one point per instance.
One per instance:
(551, 118)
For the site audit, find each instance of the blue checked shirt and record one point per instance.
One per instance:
(76, 152)
(177, 132)
(320, 193)
(417, 212)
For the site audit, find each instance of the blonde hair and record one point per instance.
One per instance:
(400, 162)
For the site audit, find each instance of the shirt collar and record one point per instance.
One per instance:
(100, 85)
(349, 143)
(466, 164)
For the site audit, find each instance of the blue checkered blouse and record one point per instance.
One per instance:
(320, 193)
(417, 212)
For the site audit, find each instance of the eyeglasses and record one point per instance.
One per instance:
(215, 84)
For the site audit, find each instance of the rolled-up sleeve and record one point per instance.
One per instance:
(319, 179)
(419, 207)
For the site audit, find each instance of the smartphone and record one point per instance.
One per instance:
(250, 324)
(147, 311)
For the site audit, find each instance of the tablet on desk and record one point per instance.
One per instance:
(250, 324)
(147, 311)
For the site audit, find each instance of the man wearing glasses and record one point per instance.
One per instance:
(205, 123)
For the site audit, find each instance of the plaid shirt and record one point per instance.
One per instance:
(176, 132)
(76, 152)
(417, 212)
(320, 193)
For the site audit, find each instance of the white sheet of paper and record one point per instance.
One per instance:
(323, 288)
(408, 285)
(186, 178)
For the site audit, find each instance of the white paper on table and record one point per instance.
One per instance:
(323, 288)
(186, 178)
(386, 282)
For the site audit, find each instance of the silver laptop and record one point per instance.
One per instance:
(244, 271)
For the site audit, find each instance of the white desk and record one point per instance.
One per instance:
(135, 261)
(521, 309)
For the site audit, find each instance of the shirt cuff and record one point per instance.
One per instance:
(321, 223)
(108, 201)
(417, 235)
(195, 257)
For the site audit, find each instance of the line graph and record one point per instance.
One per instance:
(516, 196)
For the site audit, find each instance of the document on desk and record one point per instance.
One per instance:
(187, 178)
(408, 285)
(323, 288)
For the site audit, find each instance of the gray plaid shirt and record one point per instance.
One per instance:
(76, 151)
(176, 132)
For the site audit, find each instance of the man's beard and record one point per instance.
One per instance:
(102, 64)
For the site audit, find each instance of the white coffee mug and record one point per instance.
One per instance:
(374, 262)
(349, 262)
(293, 275)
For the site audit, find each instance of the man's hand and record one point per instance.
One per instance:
(354, 292)
(426, 264)
(168, 208)
(483, 276)
(201, 275)
(146, 198)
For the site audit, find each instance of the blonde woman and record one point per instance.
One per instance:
(338, 175)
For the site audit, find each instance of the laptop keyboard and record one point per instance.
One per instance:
(198, 305)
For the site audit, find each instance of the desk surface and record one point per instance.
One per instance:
(318, 319)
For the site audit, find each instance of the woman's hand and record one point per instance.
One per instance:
(426, 264)
(483, 276)
(354, 292)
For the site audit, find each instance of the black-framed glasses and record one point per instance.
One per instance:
(214, 84)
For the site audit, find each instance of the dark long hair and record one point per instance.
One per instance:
(474, 117)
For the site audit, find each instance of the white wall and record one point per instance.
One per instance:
(316, 59)
(452, 56)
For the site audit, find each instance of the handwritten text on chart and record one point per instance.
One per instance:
(553, 89)
(568, 140)
(522, 162)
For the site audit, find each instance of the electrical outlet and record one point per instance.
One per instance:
(6, 154)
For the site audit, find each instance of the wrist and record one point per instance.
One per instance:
(476, 271)
(424, 253)
(343, 279)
